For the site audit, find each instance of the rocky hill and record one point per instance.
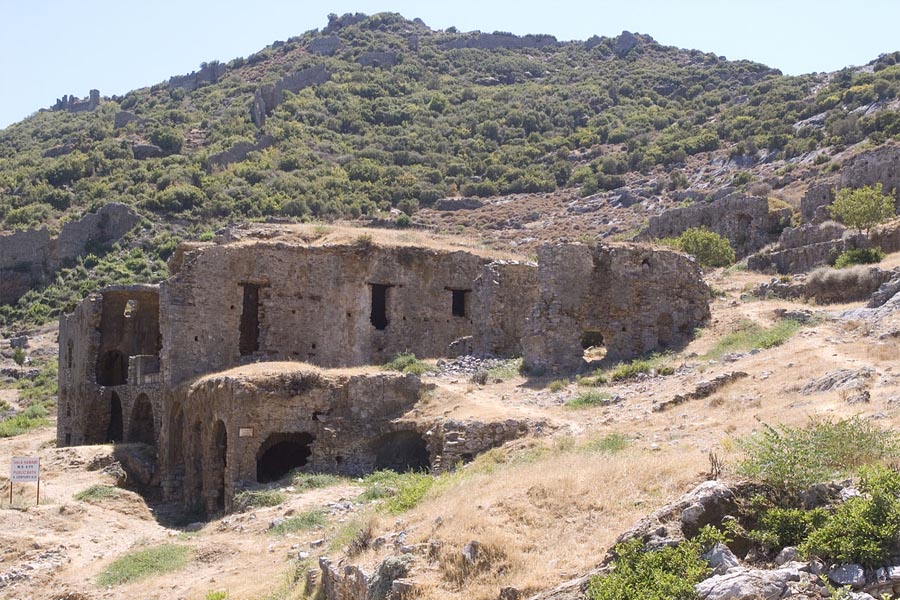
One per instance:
(373, 114)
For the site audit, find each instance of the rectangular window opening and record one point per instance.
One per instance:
(458, 306)
(249, 342)
(378, 316)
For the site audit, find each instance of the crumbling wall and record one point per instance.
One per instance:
(208, 73)
(269, 96)
(89, 402)
(318, 305)
(746, 222)
(630, 299)
(70, 103)
(342, 413)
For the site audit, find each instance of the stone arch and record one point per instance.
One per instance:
(402, 451)
(219, 467)
(281, 453)
(115, 428)
(141, 427)
(112, 368)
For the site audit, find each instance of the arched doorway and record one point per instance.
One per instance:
(402, 451)
(281, 453)
(112, 368)
(219, 466)
(114, 431)
(141, 428)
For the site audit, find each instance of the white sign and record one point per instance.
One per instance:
(24, 470)
(245, 432)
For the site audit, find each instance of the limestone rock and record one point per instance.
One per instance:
(748, 584)
(145, 151)
(720, 559)
(852, 575)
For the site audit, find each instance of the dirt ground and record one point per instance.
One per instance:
(546, 510)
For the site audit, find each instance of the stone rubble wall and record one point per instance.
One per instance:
(269, 96)
(638, 299)
(746, 222)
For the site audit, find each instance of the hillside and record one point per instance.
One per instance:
(377, 113)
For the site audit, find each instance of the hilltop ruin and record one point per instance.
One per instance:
(254, 357)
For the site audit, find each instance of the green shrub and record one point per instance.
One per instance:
(97, 492)
(864, 529)
(780, 527)
(589, 399)
(406, 362)
(640, 366)
(311, 519)
(859, 256)
(792, 458)
(709, 248)
(558, 385)
(248, 499)
(19, 356)
(144, 563)
(666, 574)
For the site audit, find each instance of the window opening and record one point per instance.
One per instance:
(379, 305)
(249, 341)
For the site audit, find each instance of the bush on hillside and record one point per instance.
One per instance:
(709, 248)
(859, 256)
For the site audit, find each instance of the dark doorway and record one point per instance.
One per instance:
(281, 453)
(249, 342)
(114, 432)
(592, 345)
(402, 451)
(141, 428)
(665, 330)
(220, 463)
(458, 306)
(379, 305)
(112, 368)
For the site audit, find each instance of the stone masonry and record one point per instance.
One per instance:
(252, 358)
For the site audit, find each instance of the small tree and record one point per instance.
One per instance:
(709, 248)
(862, 208)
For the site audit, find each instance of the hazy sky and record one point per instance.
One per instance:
(53, 47)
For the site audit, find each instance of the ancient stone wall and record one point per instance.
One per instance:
(75, 105)
(747, 222)
(319, 305)
(109, 384)
(208, 73)
(277, 417)
(489, 41)
(269, 96)
(630, 300)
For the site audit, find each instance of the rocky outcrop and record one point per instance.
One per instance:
(324, 46)
(29, 258)
(145, 151)
(269, 96)
(208, 73)
(490, 41)
(746, 222)
(123, 118)
(381, 60)
(881, 165)
(238, 152)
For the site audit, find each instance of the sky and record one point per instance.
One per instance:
(53, 47)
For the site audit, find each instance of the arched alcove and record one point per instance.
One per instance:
(281, 453)
(402, 451)
(141, 427)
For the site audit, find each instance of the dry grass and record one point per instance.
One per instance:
(828, 285)
(541, 521)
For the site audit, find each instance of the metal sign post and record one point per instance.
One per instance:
(23, 470)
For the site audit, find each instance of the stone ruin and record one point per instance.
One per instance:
(70, 103)
(255, 357)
